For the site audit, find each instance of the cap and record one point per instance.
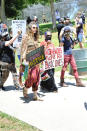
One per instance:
(67, 28)
(61, 20)
(48, 33)
(67, 18)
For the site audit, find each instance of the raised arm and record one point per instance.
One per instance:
(7, 43)
(23, 48)
(61, 44)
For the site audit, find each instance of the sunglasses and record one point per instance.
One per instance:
(34, 27)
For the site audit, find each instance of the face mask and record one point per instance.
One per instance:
(48, 38)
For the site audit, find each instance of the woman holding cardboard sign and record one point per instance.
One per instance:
(47, 76)
(29, 43)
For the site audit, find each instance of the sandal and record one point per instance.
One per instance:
(25, 92)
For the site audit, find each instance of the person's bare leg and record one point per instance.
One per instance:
(81, 45)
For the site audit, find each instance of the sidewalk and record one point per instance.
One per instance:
(62, 111)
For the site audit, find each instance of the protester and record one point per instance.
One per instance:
(79, 31)
(47, 77)
(67, 24)
(78, 18)
(57, 15)
(28, 20)
(6, 57)
(67, 43)
(13, 70)
(44, 18)
(29, 43)
(36, 21)
(83, 21)
(60, 25)
(67, 21)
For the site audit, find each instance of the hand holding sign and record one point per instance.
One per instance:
(36, 56)
(18, 27)
(19, 32)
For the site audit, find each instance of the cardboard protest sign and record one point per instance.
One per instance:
(36, 56)
(18, 25)
(54, 58)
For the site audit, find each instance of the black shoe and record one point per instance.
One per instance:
(3, 88)
(54, 89)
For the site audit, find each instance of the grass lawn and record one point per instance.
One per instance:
(8, 123)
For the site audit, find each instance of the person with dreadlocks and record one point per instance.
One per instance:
(29, 43)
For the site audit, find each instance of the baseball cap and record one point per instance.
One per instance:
(67, 28)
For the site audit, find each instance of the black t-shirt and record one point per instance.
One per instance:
(67, 45)
(6, 53)
(83, 19)
(80, 28)
(59, 27)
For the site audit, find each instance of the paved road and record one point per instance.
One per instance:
(62, 111)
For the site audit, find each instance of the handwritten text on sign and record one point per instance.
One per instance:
(54, 58)
(18, 25)
(36, 56)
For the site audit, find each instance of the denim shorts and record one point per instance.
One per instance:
(80, 37)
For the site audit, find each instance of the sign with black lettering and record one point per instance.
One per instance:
(18, 25)
(36, 56)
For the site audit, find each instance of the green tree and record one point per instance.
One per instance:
(51, 3)
(53, 13)
(13, 7)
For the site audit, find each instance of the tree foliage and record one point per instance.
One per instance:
(12, 7)
(41, 1)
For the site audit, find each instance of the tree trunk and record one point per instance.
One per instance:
(53, 13)
(3, 18)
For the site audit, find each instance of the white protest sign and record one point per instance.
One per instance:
(54, 58)
(18, 25)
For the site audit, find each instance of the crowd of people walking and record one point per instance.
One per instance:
(30, 42)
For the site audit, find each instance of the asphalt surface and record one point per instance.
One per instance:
(62, 111)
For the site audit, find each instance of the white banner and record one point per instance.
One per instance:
(18, 25)
(54, 58)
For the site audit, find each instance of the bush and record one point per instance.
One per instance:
(45, 27)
